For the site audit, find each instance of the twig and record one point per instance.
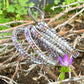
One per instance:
(62, 13)
(31, 67)
(53, 76)
(70, 19)
(72, 32)
(4, 77)
(11, 64)
(43, 75)
(44, 4)
(14, 22)
(17, 67)
(9, 39)
(68, 80)
(67, 5)
(61, 33)
(69, 74)
(3, 36)
(73, 71)
(18, 22)
(5, 40)
(8, 51)
(10, 29)
(9, 59)
(1, 50)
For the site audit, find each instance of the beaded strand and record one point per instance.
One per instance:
(58, 38)
(34, 46)
(54, 47)
(19, 48)
(53, 53)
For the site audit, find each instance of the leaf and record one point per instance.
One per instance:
(3, 19)
(23, 3)
(48, 8)
(67, 69)
(1, 11)
(56, 1)
(64, 69)
(63, 3)
(11, 8)
(31, 4)
(21, 11)
(81, 0)
(14, 1)
(62, 76)
(0, 5)
(7, 3)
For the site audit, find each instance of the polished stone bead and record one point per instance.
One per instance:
(35, 48)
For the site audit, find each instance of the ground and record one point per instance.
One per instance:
(33, 76)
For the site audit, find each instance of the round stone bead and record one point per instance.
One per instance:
(17, 46)
(37, 51)
(35, 48)
(25, 55)
(13, 38)
(39, 36)
(27, 33)
(21, 51)
(29, 58)
(31, 43)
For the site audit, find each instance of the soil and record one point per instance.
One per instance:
(33, 76)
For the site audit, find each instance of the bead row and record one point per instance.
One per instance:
(54, 47)
(34, 46)
(46, 46)
(53, 41)
(29, 57)
(42, 43)
(59, 39)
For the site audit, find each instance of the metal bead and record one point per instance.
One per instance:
(35, 48)
(39, 36)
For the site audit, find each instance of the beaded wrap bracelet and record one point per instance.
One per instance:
(59, 40)
(41, 34)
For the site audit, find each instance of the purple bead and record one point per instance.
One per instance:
(17, 46)
(27, 33)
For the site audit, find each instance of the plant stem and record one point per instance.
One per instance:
(4, 4)
(7, 3)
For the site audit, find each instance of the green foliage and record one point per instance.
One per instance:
(66, 2)
(59, 9)
(3, 28)
(11, 9)
(52, 12)
(3, 19)
(63, 70)
(62, 75)
(56, 1)
(5, 34)
(14, 11)
(48, 8)
(1, 11)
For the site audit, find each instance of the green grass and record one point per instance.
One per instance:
(5, 34)
(3, 28)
